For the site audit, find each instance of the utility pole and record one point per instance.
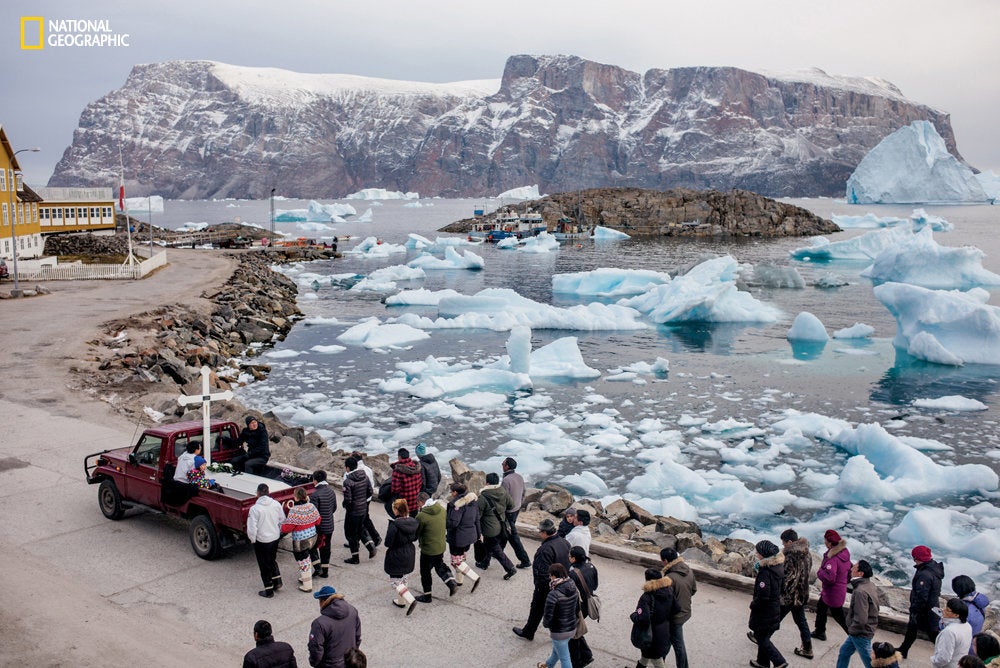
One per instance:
(13, 216)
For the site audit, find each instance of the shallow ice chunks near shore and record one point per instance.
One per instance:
(607, 234)
(922, 219)
(830, 280)
(810, 424)
(706, 293)
(585, 483)
(372, 334)
(542, 243)
(899, 472)
(773, 276)
(460, 382)
(948, 532)
(951, 403)
(370, 247)
(440, 410)
(866, 247)
(327, 350)
(856, 331)
(608, 282)
(807, 327)
(783, 474)
(523, 192)
(732, 428)
(357, 334)
(332, 416)
(519, 349)
(500, 309)
(318, 321)
(508, 243)
(398, 272)
(282, 354)
(912, 165)
(452, 260)
(480, 400)
(561, 359)
(945, 327)
(419, 297)
(555, 441)
(919, 260)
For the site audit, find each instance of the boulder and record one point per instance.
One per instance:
(556, 499)
(640, 514)
(617, 512)
(688, 540)
(674, 526)
(628, 528)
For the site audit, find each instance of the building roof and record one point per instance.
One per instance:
(26, 194)
(76, 194)
(7, 147)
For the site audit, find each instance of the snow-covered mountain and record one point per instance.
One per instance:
(195, 129)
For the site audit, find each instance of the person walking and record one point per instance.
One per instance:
(685, 587)
(584, 575)
(651, 619)
(494, 504)
(268, 652)
(302, 520)
(834, 572)
(765, 608)
(357, 491)
(369, 532)
(257, 446)
(925, 596)
(335, 631)
(965, 588)
(553, 550)
(862, 617)
(462, 530)
(325, 500)
(400, 554)
(955, 638)
(795, 589)
(514, 484)
(431, 532)
(562, 605)
(407, 479)
(429, 469)
(263, 531)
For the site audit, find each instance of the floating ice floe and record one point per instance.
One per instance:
(541, 243)
(374, 247)
(706, 293)
(858, 330)
(922, 219)
(975, 534)
(313, 227)
(373, 334)
(501, 309)
(381, 193)
(919, 219)
(912, 165)
(608, 282)
(366, 217)
(773, 276)
(952, 402)
(807, 327)
(384, 279)
(420, 297)
(423, 243)
(585, 483)
(327, 350)
(452, 260)
(945, 327)
(659, 366)
(509, 243)
(830, 280)
(432, 379)
(607, 234)
(316, 213)
(919, 260)
(866, 247)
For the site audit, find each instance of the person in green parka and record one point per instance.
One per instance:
(431, 538)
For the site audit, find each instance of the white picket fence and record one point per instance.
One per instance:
(77, 272)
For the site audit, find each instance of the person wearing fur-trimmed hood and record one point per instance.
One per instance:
(884, 655)
(834, 573)
(656, 607)
(685, 587)
(462, 530)
(795, 589)
(765, 607)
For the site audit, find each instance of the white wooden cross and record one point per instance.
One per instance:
(205, 399)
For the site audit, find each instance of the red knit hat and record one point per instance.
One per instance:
(832, 536)
(921, 553)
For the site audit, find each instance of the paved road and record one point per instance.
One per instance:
(85, 591)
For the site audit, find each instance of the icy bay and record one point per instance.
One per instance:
(727, 423)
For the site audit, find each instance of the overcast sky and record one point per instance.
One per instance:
(944, 55)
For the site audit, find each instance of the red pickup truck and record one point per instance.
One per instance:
(142, 476)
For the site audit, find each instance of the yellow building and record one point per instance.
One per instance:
(76, 210)
(19, 223)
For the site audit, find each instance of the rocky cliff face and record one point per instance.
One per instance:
(203, 129)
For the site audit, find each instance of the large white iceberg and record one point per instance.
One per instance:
(316, 213)
(707, 293)
(945, 327)
(608, 282)
(542, 243)
(919, 218)
(990, 183)
(919, 260)
(912, 165)
(524, 192)
(381, 193)
(865, 247)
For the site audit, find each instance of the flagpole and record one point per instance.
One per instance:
(130, 258)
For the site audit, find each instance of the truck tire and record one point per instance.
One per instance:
(110, 500)
(204, 538)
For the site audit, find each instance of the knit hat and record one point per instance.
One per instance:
(766, 548)
(921, 553)
(198, 461)
(248, 419)
(422, 449)
(325, 592)
(832, 536)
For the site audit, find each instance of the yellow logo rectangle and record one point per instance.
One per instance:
(28, 31)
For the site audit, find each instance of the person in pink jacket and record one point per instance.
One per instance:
(833, 574)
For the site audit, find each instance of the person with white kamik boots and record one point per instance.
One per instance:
(302, 521)
(462, 526)
(400, 553)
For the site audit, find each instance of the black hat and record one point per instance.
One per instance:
(766, 548)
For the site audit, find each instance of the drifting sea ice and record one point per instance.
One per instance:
(371, 247)
(452, 260)
(951, 403)
(608, 282)
(381, 193)
(919, 218)
(946, 530)
(542, 243)
(919, 260)
(316, 213)
(866, 247)
(706, 293)
(807, 327)
(858, 330)
(607, 234)
(420, 297)
(373, 334)
(772, 276)
(945, 327)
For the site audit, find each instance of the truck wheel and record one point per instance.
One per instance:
(110, 500)
(204, 538)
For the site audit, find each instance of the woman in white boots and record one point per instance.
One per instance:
(463, 530)
(302, 520)
(400, 553)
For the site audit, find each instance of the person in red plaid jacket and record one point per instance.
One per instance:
(407, 479)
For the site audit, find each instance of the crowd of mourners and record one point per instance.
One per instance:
(565, 591)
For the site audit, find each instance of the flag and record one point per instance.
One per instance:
(121, 197)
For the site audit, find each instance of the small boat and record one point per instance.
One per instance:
(567, 228)
(530, 224)
(503, 224)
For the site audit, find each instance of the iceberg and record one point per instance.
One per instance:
(807, 327)
(858, 330)
(919, 260)
(373, 334)
(921, 219)
(381, 193)
(608, 282)
(707, 293)
(316, 213)
(373, 247)
(949, 531)
(421, 297)
(542, 243)
(866, 247)
(524, 192)
(366, 217)
(607, 234)
(943, 326)
(772, 276)
(991, 184)
(913, 165)
(952, 402)
(560, 359)
(452, 260)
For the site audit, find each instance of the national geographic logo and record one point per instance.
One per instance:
(69, 33)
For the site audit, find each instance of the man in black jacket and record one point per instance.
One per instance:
(925, 595)
(553, 550)
(325, 500)
(268, 653)
(765, 608)
(431, 470)
(357, 491)
(258, 449)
